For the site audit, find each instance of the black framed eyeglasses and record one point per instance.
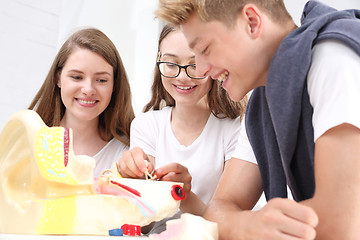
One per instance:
(172, 70)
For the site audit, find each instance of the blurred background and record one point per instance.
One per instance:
(32, 31)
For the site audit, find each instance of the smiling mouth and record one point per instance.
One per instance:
(86, 101)
(223, 76)
(185, 88)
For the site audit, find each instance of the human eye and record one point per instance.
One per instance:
(76, 77)
(192, 66)
(205, 51)
(171, 65)
(102, 80)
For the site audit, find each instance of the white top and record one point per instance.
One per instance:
(109, 154)
(204, 158)
(243, 149)
(334, 86)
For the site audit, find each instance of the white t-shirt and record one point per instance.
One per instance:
(243, 148)
(334, 86)
(334, 90)
(204, 158)
(109, 154)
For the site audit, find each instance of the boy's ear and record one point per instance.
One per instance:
(253, 18)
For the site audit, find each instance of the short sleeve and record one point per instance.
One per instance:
(243, 149)
(143, 133)
(231, 135)
(334, 86)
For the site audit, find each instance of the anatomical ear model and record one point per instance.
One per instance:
(46, 189)
(188, 226)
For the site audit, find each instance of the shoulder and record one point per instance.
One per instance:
(332, 51)
(333, 85)
(225, 123)
(243, 148)
(149, 123)
(111, 151)
(226, 129)
(332, 60)
(116, 144)
(153, 115)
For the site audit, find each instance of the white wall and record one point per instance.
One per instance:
(31, 32)
(132, 28)
(28, 37)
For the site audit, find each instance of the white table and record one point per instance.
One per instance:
(65, 237)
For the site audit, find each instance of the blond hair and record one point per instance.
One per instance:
(177, 12)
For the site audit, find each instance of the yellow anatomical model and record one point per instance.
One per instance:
(46, 189)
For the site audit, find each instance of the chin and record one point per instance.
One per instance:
(235, 96)
(236, 92)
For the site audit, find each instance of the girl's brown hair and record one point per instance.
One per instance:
(219, 101)
(115, 120)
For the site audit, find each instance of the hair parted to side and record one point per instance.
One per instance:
(177, 12)
(116, 119)
(219, 101)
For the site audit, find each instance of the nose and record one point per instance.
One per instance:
(88, 87)
(182, 75)
(202, 66)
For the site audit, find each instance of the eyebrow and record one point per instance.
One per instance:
(101, 73)
(174, 56)
(194, 42)
(97, 73)
(169, 55)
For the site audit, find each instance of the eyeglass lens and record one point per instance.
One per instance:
(173, 70)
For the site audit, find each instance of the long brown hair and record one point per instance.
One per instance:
(115, 120)
(219, 101)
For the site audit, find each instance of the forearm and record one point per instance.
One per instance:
(230, 206)
(337, 220)
(337, 196)
(229, 218)
(193, 204)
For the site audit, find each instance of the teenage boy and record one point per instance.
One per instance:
(303, 117)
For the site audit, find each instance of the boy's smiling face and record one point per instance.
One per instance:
(232, 55)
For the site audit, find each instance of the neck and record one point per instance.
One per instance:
(274, 34)
(81, 129)
(278, 32)
(190, 114)
(86, 135)
(187, 122)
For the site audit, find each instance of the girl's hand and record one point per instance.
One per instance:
(175, 172)
(133, 163)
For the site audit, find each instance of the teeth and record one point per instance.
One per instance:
(223, 76)
(86, 102)
(185, 88)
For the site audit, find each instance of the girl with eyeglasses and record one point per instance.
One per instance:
(189, 129)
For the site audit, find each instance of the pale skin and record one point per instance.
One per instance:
(333, 212)
(86, 84)
(188, 119)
